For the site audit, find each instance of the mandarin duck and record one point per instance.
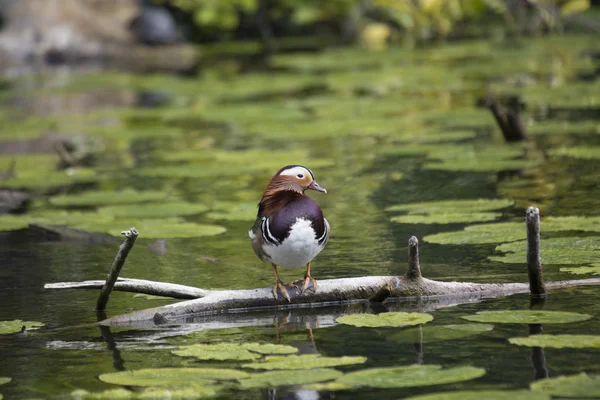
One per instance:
(290, 229)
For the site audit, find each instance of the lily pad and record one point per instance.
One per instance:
(446, 218)
(385, 319)
(558, 341)
(527, 317)
(481, 234)
(232, 351)
(462, 206)
(155, 229)
(233, 211)
(269, 348)
(409, 376)
(576, 386)
(305, 361)
(483, 394)
(431, 334)
(110, 394)
(188, 392)
(34, 179)
(4, 380)
(171, 376)
(13, 222)
(107, 197)
(513, 231)
(584, 152)
(15, 326)
(286, 378)
(563, 250)
(154, 210)
(594, 269)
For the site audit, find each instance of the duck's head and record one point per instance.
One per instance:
(295, 178)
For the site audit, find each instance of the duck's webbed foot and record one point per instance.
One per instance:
(281, 289)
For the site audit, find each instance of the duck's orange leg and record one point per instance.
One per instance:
(308, 282)
(281, 287)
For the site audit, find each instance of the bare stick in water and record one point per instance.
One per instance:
(130, 237)
(534, 262)
(414, 268)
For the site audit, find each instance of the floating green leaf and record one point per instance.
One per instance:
(4, 380)
(594, 269)
(305, 361)
(577, 386)
(481, 234)
(462, 206)
(527, 317)
(558, 341)
(563, 250)
(385, 319)
(483, 394)
(13, 222)
(155, 229)
(110, 394)
(107, 197)
(431, 334)
(513, 231)
(446, 218)
(234, 211)
(154, 210)
(15, 326)
(584, 152)
(409, 376)
(171, 376)
(327, 387)
(34, 179)
(292, 377)
(269, 348)
(189, 391)
(232, 351)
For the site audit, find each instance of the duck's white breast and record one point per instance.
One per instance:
(298, 249)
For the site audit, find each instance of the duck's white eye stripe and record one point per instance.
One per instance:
(295, 171)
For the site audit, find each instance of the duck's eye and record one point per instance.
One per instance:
(300, 176)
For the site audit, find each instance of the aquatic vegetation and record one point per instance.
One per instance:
(4, 380)
(304, 361)
(577, 386)
(557, 341)
(451, 211)
(12, 222)
(232, 351)
(189, 391)
(585, 153)
(527, 317)
(233, 210)
(409, 376)
(384, 319)
(594, 269)
(481, 234)
(563, 250)
(172, 376)
(154, 210)
(7, 327)
(439, 333)
(107, 197)
(514, 231)
(483, 394)
(289, 377)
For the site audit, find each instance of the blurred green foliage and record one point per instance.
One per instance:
(416, 19)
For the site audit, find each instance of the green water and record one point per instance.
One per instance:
(377, 129)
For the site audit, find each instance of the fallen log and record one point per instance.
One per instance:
(374, 289)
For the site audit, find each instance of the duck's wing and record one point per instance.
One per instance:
(257, 239)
